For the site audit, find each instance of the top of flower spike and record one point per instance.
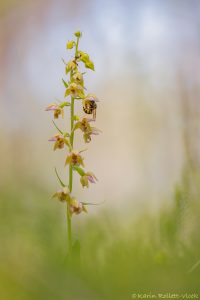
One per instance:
(78, 34)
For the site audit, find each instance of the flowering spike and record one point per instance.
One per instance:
(75, 90)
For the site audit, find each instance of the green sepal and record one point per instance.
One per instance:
(67, 70)
(67, 93)
(57, 127)
(63, 104)
(67, 143)
(81, 94)
(76, 118)
(65, 83)
(79, 170)
(77, 126)
(61, 182)
(66, 134)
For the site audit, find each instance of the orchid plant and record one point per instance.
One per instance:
(74, 91)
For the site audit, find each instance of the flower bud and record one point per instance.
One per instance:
(78, 34)
(70, 44)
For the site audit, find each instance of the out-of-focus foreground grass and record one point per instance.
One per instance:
(152, 252)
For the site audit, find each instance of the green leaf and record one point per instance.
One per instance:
(65, 83)
(61, 182)
(57, 127)
(84, 57)
(79, 170)
(89, 65)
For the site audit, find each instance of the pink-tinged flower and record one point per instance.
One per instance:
(87, 129)
(56, 109)
(76, 207)
(74, 158)
(60, 141)
(88, 177)
(63, 194)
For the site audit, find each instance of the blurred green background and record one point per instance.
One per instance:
(145, 237)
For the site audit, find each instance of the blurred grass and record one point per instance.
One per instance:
(152, 253)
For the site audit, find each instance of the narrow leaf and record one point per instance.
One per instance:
(89, 203)
(61, 182)
(57, 127)
(65, 83)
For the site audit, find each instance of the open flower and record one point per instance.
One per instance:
(75, 90)
(78, 77)
(60, 141)
(88, 177)
(87, 129)
(74, 158)
(76, 207)
(63, 194)
(71, 66)
(56, 109)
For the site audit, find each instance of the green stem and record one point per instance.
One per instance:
(69, 225)
(69, 229)
(77, 46)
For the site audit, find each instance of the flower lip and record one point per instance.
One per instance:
(53, 139)
(52, 106)
(56, 138)
(91, 179)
